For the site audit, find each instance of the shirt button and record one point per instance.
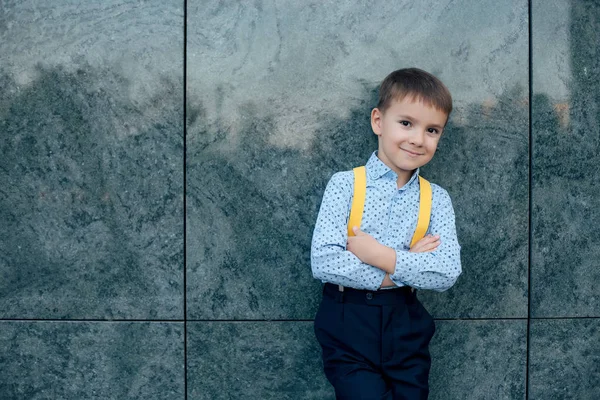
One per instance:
(369, 296)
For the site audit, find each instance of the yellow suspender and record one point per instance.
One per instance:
(425, 198)
(360, 193)
(358, 201)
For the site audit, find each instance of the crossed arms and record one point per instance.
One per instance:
(362, 262)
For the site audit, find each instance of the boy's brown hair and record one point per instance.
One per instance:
(415, 83)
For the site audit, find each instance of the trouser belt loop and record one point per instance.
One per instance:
(341, 293)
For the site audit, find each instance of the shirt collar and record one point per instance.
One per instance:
(377, 169)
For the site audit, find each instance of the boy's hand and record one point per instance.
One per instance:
(426, 245)
(364, 246)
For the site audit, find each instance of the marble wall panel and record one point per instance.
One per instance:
(564, 359)
(478, 360)
(91, 360)
(91, 159)
(255, 360)
(566, 161)
(279, 96)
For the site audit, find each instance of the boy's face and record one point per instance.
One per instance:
(409, 132)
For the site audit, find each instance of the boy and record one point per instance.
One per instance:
(373, 330)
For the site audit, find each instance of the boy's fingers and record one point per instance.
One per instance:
(416, 248)
(427, 243)
(421, 247)
(429, 239)
(431, 247)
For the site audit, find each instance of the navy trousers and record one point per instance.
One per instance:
(375, 343)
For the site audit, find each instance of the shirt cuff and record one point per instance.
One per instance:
(407, 265)
(397, 281)
(381, 277)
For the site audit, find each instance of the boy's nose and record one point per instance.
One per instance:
(417, 138)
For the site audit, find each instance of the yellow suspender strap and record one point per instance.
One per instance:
(358, 201)
(424, 210)
(360, 193)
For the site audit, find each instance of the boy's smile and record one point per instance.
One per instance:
(409, 132)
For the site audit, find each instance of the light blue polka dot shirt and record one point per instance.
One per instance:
(390, 216)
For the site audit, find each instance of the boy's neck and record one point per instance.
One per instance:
(404, 178)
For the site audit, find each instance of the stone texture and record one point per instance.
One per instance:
(478, 360)
(91, 160)
(566, 164)
(564, 359)
(279, 97)
(90, 360)
(282, 360)
(255, 360)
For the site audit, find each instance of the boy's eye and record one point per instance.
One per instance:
(405, 123)
(433, 130)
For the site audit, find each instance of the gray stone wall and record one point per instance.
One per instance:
(103, 170)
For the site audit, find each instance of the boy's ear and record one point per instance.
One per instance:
(376, 121)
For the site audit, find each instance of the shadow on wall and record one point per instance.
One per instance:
(70, 196)
(257, 202)
(562, 129)
(566, 150)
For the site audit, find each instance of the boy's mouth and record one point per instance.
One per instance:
(411, 153)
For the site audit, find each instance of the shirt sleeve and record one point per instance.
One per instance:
(437, 270)
(330, 261)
